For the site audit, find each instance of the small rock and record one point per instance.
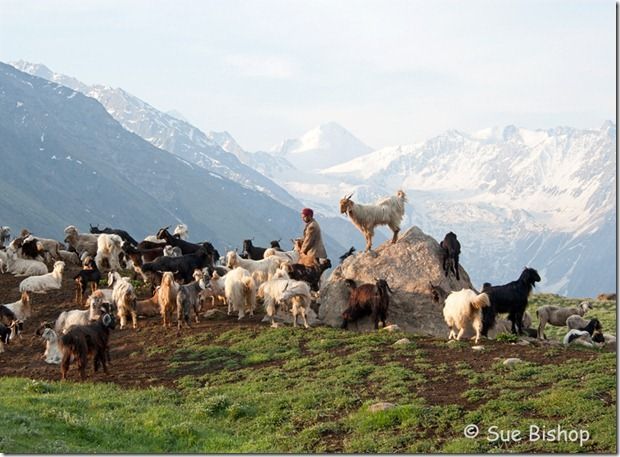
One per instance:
(392, 328)
(512, 362)
(477, 348)
(452, 341)
(522, 342)
(402, 342)
(381, 406)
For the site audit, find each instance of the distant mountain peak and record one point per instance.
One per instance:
(322, 147)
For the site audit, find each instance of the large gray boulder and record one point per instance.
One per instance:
(408, 266)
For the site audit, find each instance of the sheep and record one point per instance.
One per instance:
(277, 292)
(181, 232)
(509, 298)
(557, 315)
(240, 291)
(24, 267)
(388, 211)
(150, 306)
(311, 275)
(41, 284)
(606, 297)
(184, 265)
(576, 322)
(122, 233)
(21, 309)
(264, 268)
(81, 242)
(463, 308)
(83, 340)
(166, 295)
(451, 249)
(189, 297)
(586, 336)
(367, 299)
(52, 354)
(5, 234)
(124, 297)
(109, 247)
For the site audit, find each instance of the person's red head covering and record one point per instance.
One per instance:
(307, 212)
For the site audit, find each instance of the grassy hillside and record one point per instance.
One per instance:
(250, 388)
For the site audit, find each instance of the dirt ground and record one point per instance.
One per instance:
(130, 367)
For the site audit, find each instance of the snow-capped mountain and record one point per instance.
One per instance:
(324, 146)
(170, 133)
(515, 197)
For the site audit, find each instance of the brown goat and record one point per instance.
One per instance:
(81, 341)
(367, 299)
(149, 307)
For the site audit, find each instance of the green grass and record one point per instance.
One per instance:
(285, 390)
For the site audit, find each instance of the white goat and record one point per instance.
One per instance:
(218, 288)
(109, 247)
(67, 319)
(240, 291)
(387, 211)
(41, 284)
(181, 231)
(21, 308)
(24, 267)
(261, 270)
(287, 256)
(278, 292)
(462, 308)
(52, 352)
(557, 315)
(124, 298)
(81, 242)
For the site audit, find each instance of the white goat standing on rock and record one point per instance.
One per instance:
(388, 211)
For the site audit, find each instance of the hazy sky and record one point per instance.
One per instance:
(389, 71)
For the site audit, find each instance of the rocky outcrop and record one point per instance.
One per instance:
(408, 266)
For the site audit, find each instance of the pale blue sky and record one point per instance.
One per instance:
(389, 71)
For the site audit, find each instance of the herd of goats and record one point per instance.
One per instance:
(184, 276)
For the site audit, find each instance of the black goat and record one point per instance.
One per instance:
(82, 340)
(451, 249)
(367, 299)
(185, 246)
(509, 298)
(347, 254)
(122, 233)
(311, 275)
(252, 252)
(275, 244)
(183, 266)
(88, 275)
(9, 332)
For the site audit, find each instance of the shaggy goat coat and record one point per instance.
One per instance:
(387, 211)
(463, 308)
(240, 290)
